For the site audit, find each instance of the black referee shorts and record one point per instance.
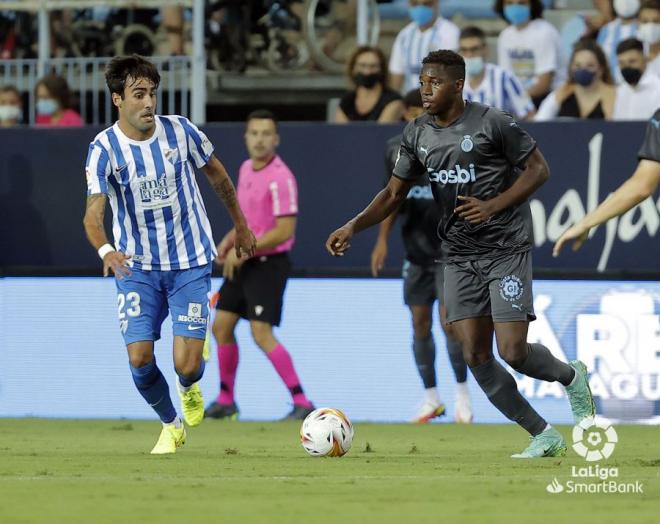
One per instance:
(257, 290)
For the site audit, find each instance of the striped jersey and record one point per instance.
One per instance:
(500, 89)
(412, 45)
(159, 218)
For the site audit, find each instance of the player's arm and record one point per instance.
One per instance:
(244, 241)
(534, 176)
(285, 228)
(641, 185)
(95, 231)
(383, 205)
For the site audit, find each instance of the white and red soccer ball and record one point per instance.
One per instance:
(326, 432)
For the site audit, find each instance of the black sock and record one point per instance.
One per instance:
(455, 351)
(501, 389)
(424, 350)
(542, 364)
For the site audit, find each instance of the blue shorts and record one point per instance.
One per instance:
(144, 298)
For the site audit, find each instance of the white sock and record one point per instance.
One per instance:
(182, 389)
(431, 395)
(177, 422)
(547, 427)
(462, 389)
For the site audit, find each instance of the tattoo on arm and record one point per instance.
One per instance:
(225, 191)
(97, 214)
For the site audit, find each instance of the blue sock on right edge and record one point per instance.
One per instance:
(153, 387)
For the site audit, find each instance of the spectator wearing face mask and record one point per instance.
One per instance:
(53, 103)
(427, 32)
(589, 93)
(638, 96)
(624, 26)
(489, 83)
(11, 106)
(529, 47)
(649, 33)
(370, 99)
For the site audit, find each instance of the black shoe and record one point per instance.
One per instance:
(221, 411)
(299, 413)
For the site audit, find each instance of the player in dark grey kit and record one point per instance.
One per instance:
(482, 167)
(641, 185)
(423, 281)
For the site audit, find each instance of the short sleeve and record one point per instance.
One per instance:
(284, 194)
(97, 169)
(397, 64)
(650, 149)
(515, 143)
(407, 166)
(520, 102)
(200, 148)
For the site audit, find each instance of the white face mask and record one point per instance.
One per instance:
(649, 33)
(626, 8)
(8, 112)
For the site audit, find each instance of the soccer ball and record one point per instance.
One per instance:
(326, 432)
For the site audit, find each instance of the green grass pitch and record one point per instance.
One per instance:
(238, 472)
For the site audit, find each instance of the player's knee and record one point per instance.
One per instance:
(139, 360)
(513, 352)
(222, 334)
(262, 335)
(475, 352)
(421, 324)
(189, 367)
(450, 331)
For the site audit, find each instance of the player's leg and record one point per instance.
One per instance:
(229, 309)
(463, 405)
(513, 307)
(188, 298)
(419, 295)
(468, 306)
(279, 357)
(264, 281)
(142, 309)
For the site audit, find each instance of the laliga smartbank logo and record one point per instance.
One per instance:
(594, 439)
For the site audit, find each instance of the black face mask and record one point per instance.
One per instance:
(631, 75)
(367, 81)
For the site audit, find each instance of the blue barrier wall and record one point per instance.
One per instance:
(62, 355)
(42, 192)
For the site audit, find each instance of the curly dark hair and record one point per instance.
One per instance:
(121, 67)
(453, 62)
(58, 88)
(535, 9)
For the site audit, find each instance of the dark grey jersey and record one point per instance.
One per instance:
(651, 147)
(480, 155)
(419, 214)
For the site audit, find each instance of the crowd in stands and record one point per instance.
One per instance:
(613, 71)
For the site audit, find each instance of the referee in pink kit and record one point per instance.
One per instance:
(253, 288)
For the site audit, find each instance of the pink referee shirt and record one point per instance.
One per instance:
(266, 194)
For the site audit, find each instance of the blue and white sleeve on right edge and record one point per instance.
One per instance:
(200, 148)
(97, 169)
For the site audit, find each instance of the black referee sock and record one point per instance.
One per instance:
(542, 364)
(501, 389)
(455, 351)
(424, 350)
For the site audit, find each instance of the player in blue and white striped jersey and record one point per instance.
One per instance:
(163, 246)
(489, 83)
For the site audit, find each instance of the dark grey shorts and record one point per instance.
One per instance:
(500, 288)
(422, 285)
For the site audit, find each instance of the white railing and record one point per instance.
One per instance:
(44, 62)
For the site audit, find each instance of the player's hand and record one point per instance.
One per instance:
(339, 241)
(473, 210)
(118, 263)
(577, 232)
(245, 244)
(378, 256)
(224, 247)
(231, 265)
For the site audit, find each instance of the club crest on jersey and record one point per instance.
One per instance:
(172, 155)
(511, 288)
(466, 144)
